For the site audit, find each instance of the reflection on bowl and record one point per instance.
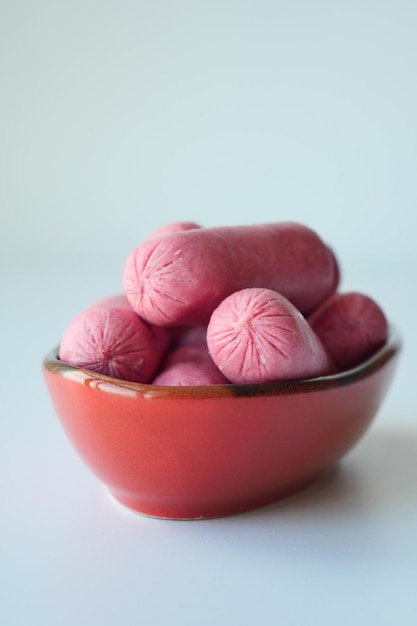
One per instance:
(200, 452)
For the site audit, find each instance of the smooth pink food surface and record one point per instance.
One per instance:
(351, 326)
(189, 365)
(108, 337)
(256, 335)
(199, 452)
(181, 278)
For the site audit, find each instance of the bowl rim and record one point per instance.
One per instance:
(388, 351)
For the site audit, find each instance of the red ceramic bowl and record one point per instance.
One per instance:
(199, 452)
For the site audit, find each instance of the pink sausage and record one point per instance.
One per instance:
(189, 365)
(108, 337)
(169, 229)
(351, 326)
(162, 335)
(181, 278)
(256, 335)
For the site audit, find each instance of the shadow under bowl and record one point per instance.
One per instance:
(211, 451)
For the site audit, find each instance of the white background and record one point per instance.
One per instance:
(117, 118)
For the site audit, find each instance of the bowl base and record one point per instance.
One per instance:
(193, 512)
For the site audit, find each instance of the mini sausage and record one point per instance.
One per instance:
(181, 278)
(351, 326)
(189, 365)
(162, 335)
(256, 335)
(108, 337)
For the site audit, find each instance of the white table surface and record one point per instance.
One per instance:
(342, 552)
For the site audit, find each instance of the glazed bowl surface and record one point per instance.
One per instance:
(202, 452)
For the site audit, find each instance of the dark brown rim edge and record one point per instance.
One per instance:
(392, 347)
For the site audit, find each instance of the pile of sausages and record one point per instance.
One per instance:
(222, 305)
